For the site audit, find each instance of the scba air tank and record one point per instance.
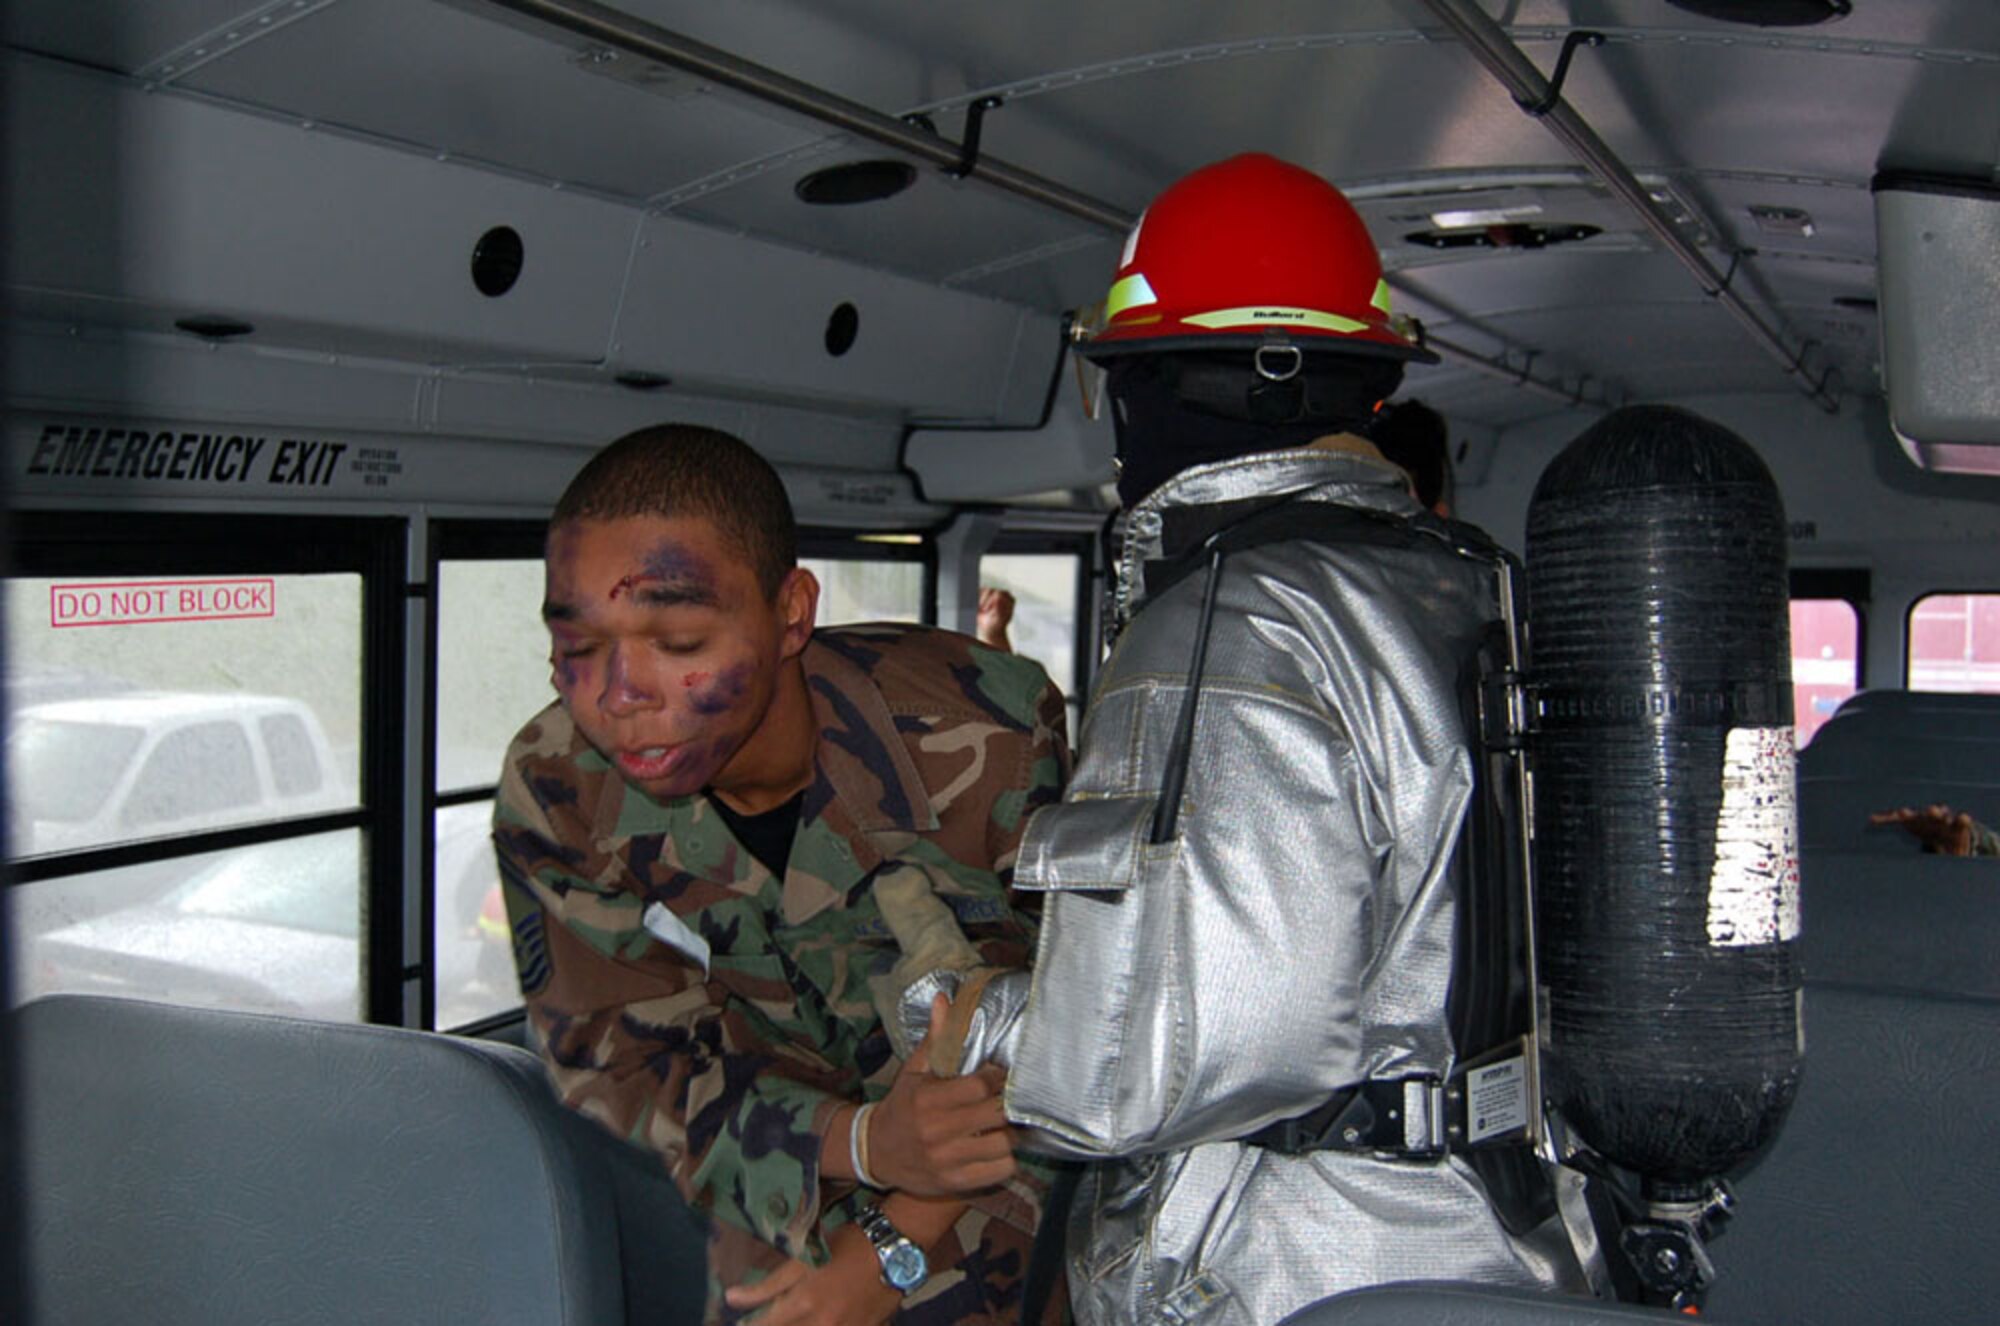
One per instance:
(1665, 811)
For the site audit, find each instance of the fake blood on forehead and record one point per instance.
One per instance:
(672, 565)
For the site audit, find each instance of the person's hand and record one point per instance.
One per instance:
(996, 613)
(940, 1136)
(847, 1291)
(1939, 828)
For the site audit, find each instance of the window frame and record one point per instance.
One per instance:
(109, 543)
(1084, 546)
(1909, 623)
(822, 543)
(1854, 586)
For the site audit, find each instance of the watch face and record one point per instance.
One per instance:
(904, 1266)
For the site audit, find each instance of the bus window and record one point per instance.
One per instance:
(1954, 644)
(1044, 586)
(141, 707)
(492, 676)
(184, 756)
(1826, 648)
(867, 590)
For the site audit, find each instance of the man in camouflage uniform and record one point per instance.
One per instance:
(691, 840)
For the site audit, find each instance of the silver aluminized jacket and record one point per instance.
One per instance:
(1296, 935)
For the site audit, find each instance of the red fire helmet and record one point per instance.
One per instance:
(1244, 249)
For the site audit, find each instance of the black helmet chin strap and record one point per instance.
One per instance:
(1175, 411)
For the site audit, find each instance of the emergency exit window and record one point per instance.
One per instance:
(145, 708)
(1954, 644)
(1826, 667)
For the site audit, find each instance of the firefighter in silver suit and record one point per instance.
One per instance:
(1252, 893)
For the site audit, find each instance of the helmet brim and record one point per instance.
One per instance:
(1118, 343)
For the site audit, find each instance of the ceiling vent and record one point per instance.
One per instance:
(1790, 222)
(1768, 13)
(856, 182)
(1501, 235)
(214, 326)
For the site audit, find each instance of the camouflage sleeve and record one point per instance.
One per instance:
(636, 1038)
(1044, 774)
(1985, 842)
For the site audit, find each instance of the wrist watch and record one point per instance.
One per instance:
(904, 1266)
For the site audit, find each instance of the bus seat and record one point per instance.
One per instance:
(1834, 810)
(1894, 703)
(1452, 1304)
(1870, 1206)
(1924, 924)
(192, 1166)
(1968, 752)
(1885, 749)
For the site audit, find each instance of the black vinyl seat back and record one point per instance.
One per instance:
(190, 1166)
(1887, 748)
(1453, 1304)
(1872, 1205)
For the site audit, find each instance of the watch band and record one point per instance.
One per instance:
(904, 1266)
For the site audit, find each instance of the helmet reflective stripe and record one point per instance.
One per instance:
(1130, 293)
(1381, 299)
(1262, 314)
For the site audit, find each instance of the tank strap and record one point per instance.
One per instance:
(1403, 1117)
(1420, 1117)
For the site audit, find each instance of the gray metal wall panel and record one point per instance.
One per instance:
(753, 318)
(172, 206)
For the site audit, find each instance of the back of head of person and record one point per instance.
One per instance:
(1248, 314)
(1413, 436)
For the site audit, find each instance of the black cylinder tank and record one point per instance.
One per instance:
(1665, 820)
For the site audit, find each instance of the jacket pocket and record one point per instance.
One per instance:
(1095, 845)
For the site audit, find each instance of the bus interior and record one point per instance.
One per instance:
(314, 306)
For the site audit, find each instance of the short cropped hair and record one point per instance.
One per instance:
(676, 470)
(1413, 436)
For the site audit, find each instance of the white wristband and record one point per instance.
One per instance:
(857, 1146)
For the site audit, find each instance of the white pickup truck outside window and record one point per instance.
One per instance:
(169, 724)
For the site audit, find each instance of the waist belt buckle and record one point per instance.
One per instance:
(1426, 1118)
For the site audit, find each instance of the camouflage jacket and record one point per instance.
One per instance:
(932, 750)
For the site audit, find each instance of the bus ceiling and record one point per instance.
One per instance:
(610, 207)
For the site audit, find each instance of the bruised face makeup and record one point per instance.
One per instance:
(663, 647)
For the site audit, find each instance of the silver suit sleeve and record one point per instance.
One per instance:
(995, 1024)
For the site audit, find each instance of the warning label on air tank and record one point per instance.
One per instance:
(1753, 891)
